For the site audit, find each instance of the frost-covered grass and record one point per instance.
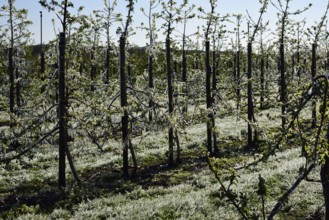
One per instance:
(187, 191)
(196, 197)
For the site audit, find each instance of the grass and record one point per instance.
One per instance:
(28, 188)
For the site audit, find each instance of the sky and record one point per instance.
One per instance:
(223, 7)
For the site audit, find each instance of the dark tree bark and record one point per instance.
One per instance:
(208, 98)
(62, 112)
(238, 91)
(262, 82)
(178, 158)
(214, 73)
(313, 73)
(196, 63)
(175, 67)
(133, 157)
(123, 101)
(250, 101)
(129, 74)
(11, 80)
(298, 64)
(42, 54)
(184, 77)
(151, 85)
(107, 65)
(283, 86)
(10, 60)
(267, 64)
(42, 64)
(327, 61)
(293, 65)
(92, 68)
(234, 68)
(324, 173)
(170, 103)
(18, 88)
(214, 91)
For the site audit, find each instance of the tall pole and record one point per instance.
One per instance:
(283, 95)
(41, 29)
(11, 80)
(208, 98)
(42, 55)
(62, 113)
(123, 102)
(170, 104)
(250, 101)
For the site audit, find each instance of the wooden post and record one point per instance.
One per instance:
(62, 113)
(18, 87)
(250, 102)
(184, 79)
(11, 80)
(283, 87)
(214, 75)
(151, 85)
(123, 101)
(42, 54)
(327, 61)
(238, 69)
(208, 98)
(107, 65)
(262, 81)
(184, 70)
(214, 91)
(324, 174)
(170, 104)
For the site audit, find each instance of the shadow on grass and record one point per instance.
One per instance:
(107, 180)
(44, 197)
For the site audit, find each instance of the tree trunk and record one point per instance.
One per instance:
(292, 65)
(234, 68)
(298, 65)
(42, 67)
(151, 85)
(42, 54)
(283, 87)
(238, 79)
(62, 112)
(42, 64)
(250, 102)
(313, 73)
(208, 98)
(214, 75)
(11, 80)
(170, 104)
(133, 157)
(178, 158)
(267, 70)
(129, 75)
(184, 79)
(196, 64)
(214, 91)
(107, 65)
(92, 69)
(123, 102)
(262, 82)
(327, 59)
(324, 173)
(18, 88)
